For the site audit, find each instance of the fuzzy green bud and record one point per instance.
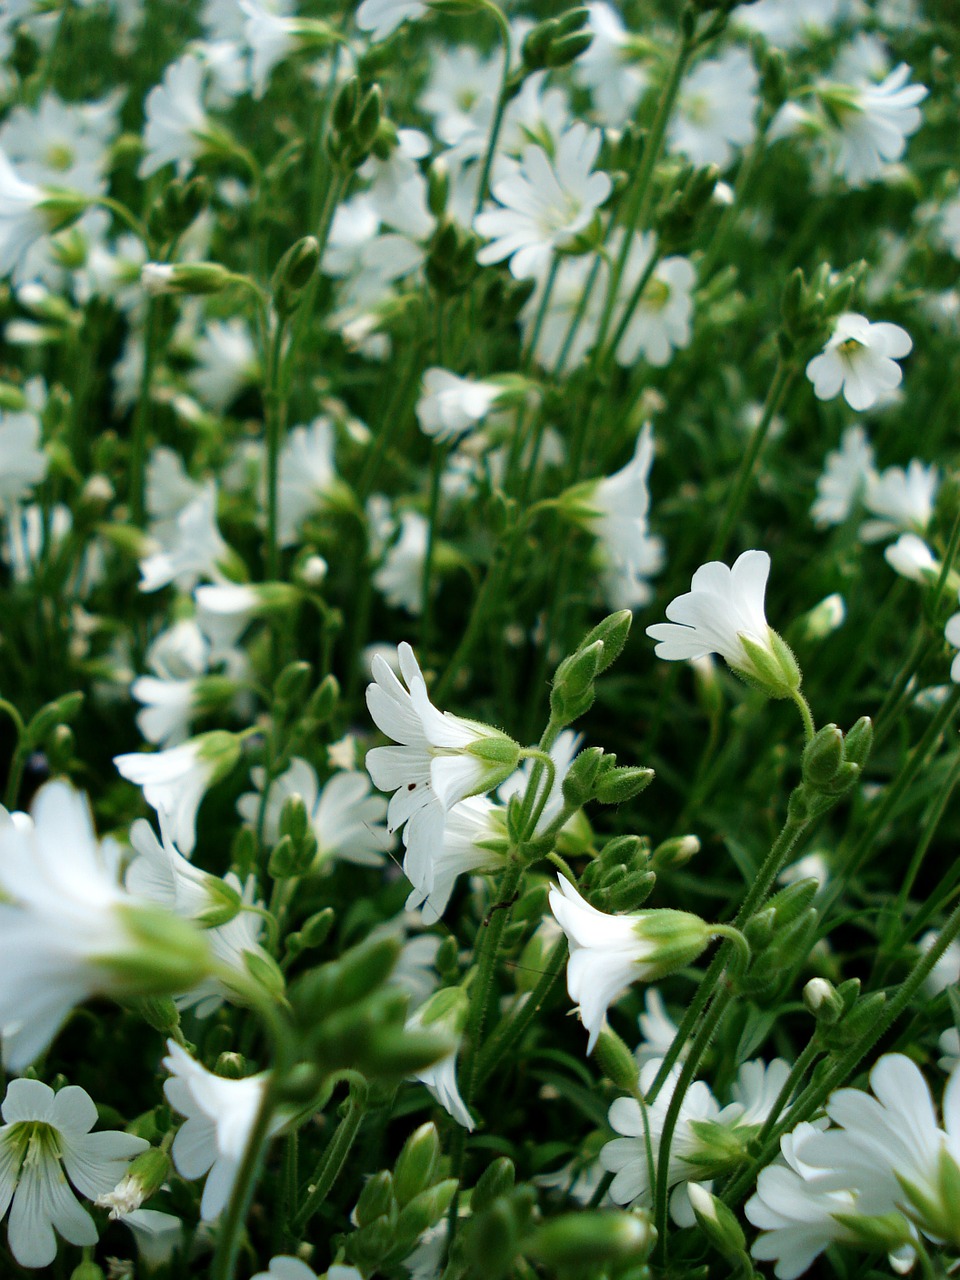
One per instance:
(616, 1061)
(858, 743)
(377, 1199)
(293, 273)
(324, 699)
(572, 693)
(578, 785)
(292, 683)
(417, 1164)
(316, 930)
(190, 279)
(675, 852)
(616, 786)
(592, 1240)
(773, 669)
(424, 1210)
(497, 1180)
(630, 891)
(822, 756)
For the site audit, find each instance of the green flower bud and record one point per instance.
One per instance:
(190, 279)
(293, 273)
(592, 1240)
(630, 891)
(425, 1209)
(773, 668)
(717, 1222)
(323, 701)
(616, 786)
(858, 742)
(345, 982)
(617, 1062)
(292, 683)
(572, 693)
(60, 711)
(497, 1180)
(675, 852)
(233, 1066)
(376, 1199)
(822, 756)
(416, 1167)
(578, 785)
(317, 928)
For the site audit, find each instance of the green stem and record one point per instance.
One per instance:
(141, 418)
(334, 1157)
(275, 407)
(502, 99)
(527, 356)
(892, 797)
(930, 827)
(809, 727)
(948, 558)
(808, 1056)
(638, 203)
(632, 303)
(783, 375)
(793, 828)
(511, 1031)
(426, 618)
(578, 315)
(19, 755)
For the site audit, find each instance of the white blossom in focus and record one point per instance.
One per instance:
(44, 1141)
(859, 359)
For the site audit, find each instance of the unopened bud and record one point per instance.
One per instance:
(186, 278)
(578, 785)
(717, 1222)
(592, 1238)
(416, 1167)
(230, 1065)
(823, 756)
(675, 852)
(294, 272)
(616, 786)
(822, 1000)
(616, 1061)
(496, 1180)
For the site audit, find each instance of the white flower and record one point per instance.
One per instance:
(845, 475)
(619, 506)
(859, 359)
(789, 23)
(400, 577)
(946, 971)
(226, 363)
(176, 122)
(900, 500)
(382, 17)
(872, 123)
(715, 111)
(626, 1157)
(220, 1116)
(192, 547)
(23, 462)
(445, 1010)
(307, 477)
(723, 613)
(616, 84)
(657, 1028)
(175, 781)
(608, 953)
(451, 406)
(951, 634)
(271, 36)
(442, 759)
(472, 839)
(286, 1267)
(45, 1140)
(398, 189)
(547, 203)
(912, 558)
(562, 753)
(69, 931)
(62, 145)
(345, 818)
(660, 323)
(22, 218)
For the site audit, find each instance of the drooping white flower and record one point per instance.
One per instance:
(400, 577)
(900, 500)
(607, 68)
(382, 17)
(397, 188)
(608, 953)
(307, 477)
(441, 758)
(547, 203)
(23, 462)
(912, 558)
(472, 839)
(716, 109)
(615, 511)
(28, 212)
(191, 547)
(176, 120)
(69, 931)
(846, 473)
(860, 360)
(724, 613)
(346, 819)
(44, 1141)
(175, 781)
(450, 405)
(445, 1010)
(220, 1115)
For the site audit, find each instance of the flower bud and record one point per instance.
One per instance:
(323, 700)
(292, 683)
(376, 1199)
(858, 742)
(578, 785)
(293, 273)
(717, 1222)
(87, 1270)
(822, 1000)
(773, 668)
(169, 955)
(675, 852)
(192, 279)
(312, 572)
(417, 1164)
(497, 1180)
(630, 891)
(616, 1061)
(159, 1012)
(424, 1210)
(617, 785)
(572, 693)
(595, 1239)
(822, 756)
(317, 928)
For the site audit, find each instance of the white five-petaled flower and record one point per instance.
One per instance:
(608, 953)
(382, 17)
(872, 123)
(885, 1156)
(716, 107)
(45, 1140)
(451, 405)
(547, 203)
(68, 931)
(220, 1115)
(859, 359)
(899, 500)
(441, 759)
(724, 613)
(27, 212)
(175, 781)
(176, 121)
(844, 480)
